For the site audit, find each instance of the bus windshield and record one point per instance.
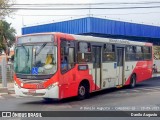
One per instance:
(35, 59)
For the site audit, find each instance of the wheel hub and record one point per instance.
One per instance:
(82, 90)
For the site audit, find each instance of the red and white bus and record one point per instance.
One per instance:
(58, 65)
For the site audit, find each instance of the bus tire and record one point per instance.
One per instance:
(133, 81)
(48, 100)
(83, 91)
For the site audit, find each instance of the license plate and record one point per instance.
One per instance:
(31, 91)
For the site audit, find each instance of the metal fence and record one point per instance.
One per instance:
(6, 71)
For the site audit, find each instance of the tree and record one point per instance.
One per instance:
(7, 36)
(7, 33)
(4, 8)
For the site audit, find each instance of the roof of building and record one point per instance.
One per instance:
(98, 27)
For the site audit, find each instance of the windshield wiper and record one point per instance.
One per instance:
(39, 50)
(27, 52)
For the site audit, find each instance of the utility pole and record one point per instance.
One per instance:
(22, 21)
(89, 10)
(4, 72)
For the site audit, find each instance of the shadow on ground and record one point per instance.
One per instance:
(144, 84)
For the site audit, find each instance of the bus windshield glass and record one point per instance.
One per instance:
(36, 59)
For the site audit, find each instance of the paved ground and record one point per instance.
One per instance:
(145, 96)
(7, 90)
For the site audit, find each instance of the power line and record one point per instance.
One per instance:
(130, 13)
(80, 8)
(87, 14)
(49, 15)
(89, 3)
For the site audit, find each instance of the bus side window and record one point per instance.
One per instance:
(139, 53)
(64, 61)
(147, 53)
(131, 53)
(67, 55)
(109, 53)
(84, 52)
(71, 58)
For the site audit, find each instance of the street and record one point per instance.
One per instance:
(144, 97)
(146, 94)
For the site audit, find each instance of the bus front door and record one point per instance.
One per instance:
(120, 66)
(96, 66)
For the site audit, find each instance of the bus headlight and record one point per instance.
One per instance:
(53, 85)
(17, 85)
(21, 84)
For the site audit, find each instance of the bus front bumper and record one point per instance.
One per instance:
(51, 92)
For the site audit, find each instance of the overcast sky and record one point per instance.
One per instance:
(149, 16)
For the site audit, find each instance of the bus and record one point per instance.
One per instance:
(58, 65)
(156, 59)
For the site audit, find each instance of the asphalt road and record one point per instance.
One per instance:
(145, 96)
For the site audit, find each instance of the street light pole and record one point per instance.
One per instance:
(4, 72)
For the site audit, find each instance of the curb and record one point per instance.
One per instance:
(11, 91)
(3, 90)
(7, 90)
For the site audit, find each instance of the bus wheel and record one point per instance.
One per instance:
(83, 91)
(133, 81)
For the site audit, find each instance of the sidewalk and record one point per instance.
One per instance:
(156, 75)
(7, 90)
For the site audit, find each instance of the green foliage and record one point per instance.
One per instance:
(7, 35)
(4, 5)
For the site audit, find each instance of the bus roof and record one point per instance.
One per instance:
(93, 39)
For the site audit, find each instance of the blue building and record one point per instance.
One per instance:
(102, 28)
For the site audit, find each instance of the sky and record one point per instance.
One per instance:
(21, 18)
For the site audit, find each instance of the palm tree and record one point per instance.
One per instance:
(7, 36)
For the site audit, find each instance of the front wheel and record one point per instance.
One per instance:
(83, 91)
(133, 81)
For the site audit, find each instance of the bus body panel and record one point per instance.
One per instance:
(45, 93)
(109, 77)
(142, 69)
